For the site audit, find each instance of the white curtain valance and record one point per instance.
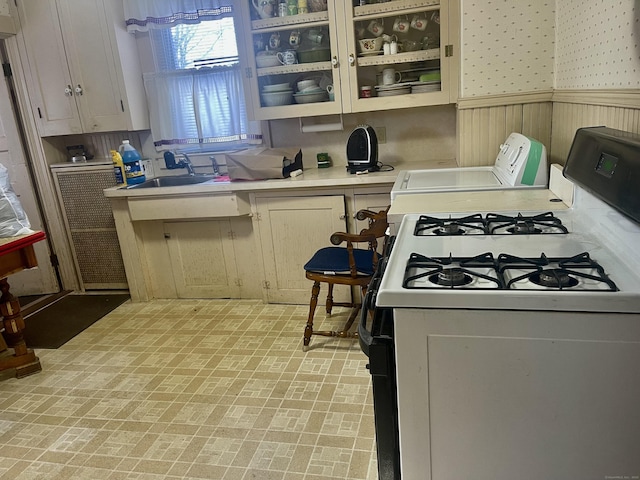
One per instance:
(142, 15)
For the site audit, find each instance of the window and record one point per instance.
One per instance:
(196, 95)
(195, 46)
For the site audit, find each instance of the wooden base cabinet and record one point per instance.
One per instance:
(201, 259)
(290, 230)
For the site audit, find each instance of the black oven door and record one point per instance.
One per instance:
(377, 343)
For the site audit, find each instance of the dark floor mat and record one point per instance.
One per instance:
(59, 322)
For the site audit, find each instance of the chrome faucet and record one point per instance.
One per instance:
(187, 163)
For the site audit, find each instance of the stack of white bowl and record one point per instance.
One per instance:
(309, 91)
(277, 94)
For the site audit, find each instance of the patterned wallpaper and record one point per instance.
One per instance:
(507, 46)
(598, 44)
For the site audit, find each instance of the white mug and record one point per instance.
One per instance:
(418, 23)
(288, 57)
(376, 27)
(401, 25)
(390, 76)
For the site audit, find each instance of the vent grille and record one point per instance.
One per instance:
(92, 227)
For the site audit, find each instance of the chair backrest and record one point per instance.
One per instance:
(378, 225)
(377, 229)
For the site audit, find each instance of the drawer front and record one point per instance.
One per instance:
(196, 206)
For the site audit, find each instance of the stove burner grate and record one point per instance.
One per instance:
(561, 274)
(544, 223)
(451, 272)
(471, 224)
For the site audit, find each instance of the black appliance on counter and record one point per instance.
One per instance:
(362, 150)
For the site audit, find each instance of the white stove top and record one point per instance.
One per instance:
(590, 232)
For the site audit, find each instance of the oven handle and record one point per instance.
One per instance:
(364, 336)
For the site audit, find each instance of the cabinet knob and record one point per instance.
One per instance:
(343, 217)
(334, 62)
(352, 60)
(78, 90)
(68, 91)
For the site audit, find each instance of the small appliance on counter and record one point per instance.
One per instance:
(78, 154)
(521, 163)
(362, 150)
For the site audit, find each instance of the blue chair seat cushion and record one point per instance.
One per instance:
(335, 261)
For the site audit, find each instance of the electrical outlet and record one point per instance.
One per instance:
(381, 133)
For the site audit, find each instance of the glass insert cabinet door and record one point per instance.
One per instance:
(319, 57)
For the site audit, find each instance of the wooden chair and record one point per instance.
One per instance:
(345, 265)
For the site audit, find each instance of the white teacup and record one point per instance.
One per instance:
(418, 23)
(288, 57)
(391, 76)
(401, 25)
(376, 27)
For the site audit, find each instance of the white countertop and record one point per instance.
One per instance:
(311, 178)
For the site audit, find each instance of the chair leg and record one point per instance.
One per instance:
(330, 299)
(308, 330)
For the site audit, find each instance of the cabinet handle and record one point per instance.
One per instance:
(334, 62)
(68, 91)
(78, 90)
(352, 59)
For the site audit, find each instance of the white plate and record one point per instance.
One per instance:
(395, 86)
(391, 93)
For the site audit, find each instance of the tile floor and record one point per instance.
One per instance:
(193, 389)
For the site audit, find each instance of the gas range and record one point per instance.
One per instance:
(515, 261)
(513, 333)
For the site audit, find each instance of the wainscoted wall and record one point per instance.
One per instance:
(572, 110)
(596, 79)
(484, 124)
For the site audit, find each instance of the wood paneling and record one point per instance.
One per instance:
(568, 117)
(481, 130)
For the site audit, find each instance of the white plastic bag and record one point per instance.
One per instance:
(13, 219)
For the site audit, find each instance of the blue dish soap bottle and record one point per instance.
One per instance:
(133, 169)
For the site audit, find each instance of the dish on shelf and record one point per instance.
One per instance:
(391, 93)
(322, 96)
(267, 59)
(395, 86)
(274, 99)
(278, 87)
(314, 55)
(426, 87)
(371, 54)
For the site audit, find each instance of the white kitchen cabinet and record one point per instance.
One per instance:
(205, 258)
(202, 258)
(84, 67)
(290, 230)
(343, 65)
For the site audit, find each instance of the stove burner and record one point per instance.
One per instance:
(451, 277)
(450, 229)
(471, 224)
(523, 227)
(477, 272)
(544, 223)
(554, 277)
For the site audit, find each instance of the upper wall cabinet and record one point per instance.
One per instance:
(401, 51)
(84, 68)
(7, 25)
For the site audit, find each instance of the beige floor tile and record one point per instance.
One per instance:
(230, 396)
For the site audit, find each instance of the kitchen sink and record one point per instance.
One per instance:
(172, 181)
